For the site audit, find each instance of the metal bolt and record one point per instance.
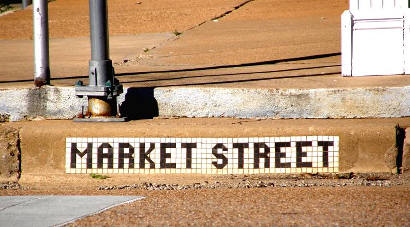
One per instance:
(79, 83)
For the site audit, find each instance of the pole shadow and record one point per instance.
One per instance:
(272, 62)
(139, 103)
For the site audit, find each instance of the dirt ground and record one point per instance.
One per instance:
(255, 45)
(220, 44)
(70, 18)
(233, 207)
(297, 206)
(260, 31)
(343, 199)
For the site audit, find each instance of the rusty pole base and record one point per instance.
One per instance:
(101, 109)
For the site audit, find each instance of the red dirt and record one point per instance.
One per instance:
(69, 18)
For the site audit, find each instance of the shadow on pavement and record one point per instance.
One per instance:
(140, 102)
(205, 68)
(233, 74)
(272, 62)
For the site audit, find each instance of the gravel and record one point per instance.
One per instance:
(281, 181)
(9, 185)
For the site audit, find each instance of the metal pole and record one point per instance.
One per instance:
(103, 88)
(41, 46)
(25, 3)
(100, 64)
(101, 70)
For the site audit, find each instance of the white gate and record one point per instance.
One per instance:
(374, 37)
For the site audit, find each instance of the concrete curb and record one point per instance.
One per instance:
(61, 102)
(284, 103)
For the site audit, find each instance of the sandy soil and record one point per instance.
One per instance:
(240, 49)
(233, 207)
(69, 18)
(293, 201)
(344, 199)
(260, 31)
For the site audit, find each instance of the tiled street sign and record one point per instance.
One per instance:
(298, 154)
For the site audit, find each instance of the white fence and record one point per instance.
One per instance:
(378, 4)
(375, 38)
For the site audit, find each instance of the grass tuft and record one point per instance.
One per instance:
(98, 176)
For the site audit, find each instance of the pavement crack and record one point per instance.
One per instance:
(223, 14)
(136, 60)
(232, 10)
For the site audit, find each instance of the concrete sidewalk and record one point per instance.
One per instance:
(54, 210)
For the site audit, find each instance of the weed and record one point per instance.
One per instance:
(177, 33)
(98, 176)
